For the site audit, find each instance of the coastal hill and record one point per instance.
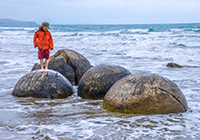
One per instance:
(7, 21)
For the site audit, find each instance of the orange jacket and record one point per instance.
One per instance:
(43, 39)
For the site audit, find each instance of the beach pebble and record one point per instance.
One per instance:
(52, 85)
(145, 94)
(97, 80)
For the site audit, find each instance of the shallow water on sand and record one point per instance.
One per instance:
(139, 48)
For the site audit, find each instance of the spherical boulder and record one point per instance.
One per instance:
(51, 84)
(77, 61)
(145, 94)
(97, 80)
(59, 64)
(69, 63)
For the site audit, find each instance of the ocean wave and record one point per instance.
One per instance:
(191, 30)
(184, 45)
(18, 28)
(115, 33)
(176, 30)
(3, 62)
(196, 30)
(134, 31)
(12, 28)
(184, 30)
(177, 44)
(151, 30)
(13, 33)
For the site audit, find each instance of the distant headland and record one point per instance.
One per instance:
(7, 21)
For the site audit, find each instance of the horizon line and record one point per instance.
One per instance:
(122, 23)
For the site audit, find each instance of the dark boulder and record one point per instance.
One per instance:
(77, 61)
(97, 80)
(59, 64)
(145, 94)
(36, 67)
(52, 85)
(69, 63)
(174, 65)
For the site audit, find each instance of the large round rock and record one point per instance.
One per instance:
(77, 61)
(59, 64)
(145, 94)
(69, 63)
(52, 85)
(97, 80)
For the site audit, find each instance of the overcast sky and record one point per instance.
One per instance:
(102, 11)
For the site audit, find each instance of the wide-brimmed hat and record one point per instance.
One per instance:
(45, 25)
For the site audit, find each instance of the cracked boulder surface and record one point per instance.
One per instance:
(145, 94)
(52, 85)
(97, 80)
(77, 61)
(69, 63)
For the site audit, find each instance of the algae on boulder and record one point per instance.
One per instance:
(52, 85)
(97, 80)
(145, 94)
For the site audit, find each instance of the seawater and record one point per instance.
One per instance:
(138, 48)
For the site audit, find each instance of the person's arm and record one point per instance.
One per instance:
(35, 40)
(50, 43)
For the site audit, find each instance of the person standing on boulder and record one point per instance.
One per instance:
(44, 41)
